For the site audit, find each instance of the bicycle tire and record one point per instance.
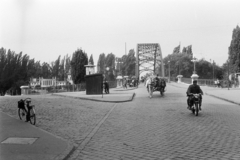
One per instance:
(21, 113)
(32, 117)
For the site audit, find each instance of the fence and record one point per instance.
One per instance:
(203, 82)
(79, 87)
(65, 88)
(208, 82)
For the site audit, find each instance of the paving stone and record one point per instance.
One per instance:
(156, 128)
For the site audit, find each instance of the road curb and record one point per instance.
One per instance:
(98, 100)
(222, 98)
(125, 89)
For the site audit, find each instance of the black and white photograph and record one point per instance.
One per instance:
(120, 80)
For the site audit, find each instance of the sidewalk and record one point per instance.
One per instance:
(23, 141)
(231, 95)
(117, 95)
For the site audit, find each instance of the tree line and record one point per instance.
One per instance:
(180, 63)
(16, 70)
(124, 66)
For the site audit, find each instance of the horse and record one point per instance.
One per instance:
(149, 85)
(155, 84)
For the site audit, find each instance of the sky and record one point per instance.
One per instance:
(46, 29)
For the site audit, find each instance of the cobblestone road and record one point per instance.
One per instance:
(151, 129)
(71, 119)
(162, 128)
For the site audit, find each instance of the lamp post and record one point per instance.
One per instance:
(194, 60)
(194, 75)
(164, 67)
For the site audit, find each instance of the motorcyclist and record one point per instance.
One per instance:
(194, 89)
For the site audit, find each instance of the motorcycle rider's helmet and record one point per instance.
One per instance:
(194, 81)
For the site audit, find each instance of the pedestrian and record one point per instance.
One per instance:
(218, 83)
(125, 83)
(106, 87)
(215, 83)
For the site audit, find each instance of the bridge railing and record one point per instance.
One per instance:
(209, 82)
(202, 82)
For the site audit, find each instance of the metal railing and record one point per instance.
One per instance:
(64, 88)
(203, 82)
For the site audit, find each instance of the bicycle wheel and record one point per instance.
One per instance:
(32, 117)
(21, 113)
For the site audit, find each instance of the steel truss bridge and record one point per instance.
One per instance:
(149, 58)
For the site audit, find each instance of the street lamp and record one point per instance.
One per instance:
(164, 67)
(194, 75)
(194, 60)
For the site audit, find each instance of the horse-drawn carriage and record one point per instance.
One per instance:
(156, 84)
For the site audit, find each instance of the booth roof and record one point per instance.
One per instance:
(119, 77)
(24, 87)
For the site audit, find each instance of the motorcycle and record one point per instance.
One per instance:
(195, 105)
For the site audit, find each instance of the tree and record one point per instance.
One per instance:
(110, 63)
(55, 66)
(91, 60)
(124, 65)
(46, 70)
(234, 51)
(37, 69)
(67, 66)
(130, 63)
(78, 71)
(101, 63)
(14, 71)
(184, 50)
(181, 64)
(61, 73)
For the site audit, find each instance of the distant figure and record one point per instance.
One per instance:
(215, 83)
(106, 87)
(218, 83)
(125, 83)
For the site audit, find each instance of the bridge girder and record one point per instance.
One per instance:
(149, 58)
